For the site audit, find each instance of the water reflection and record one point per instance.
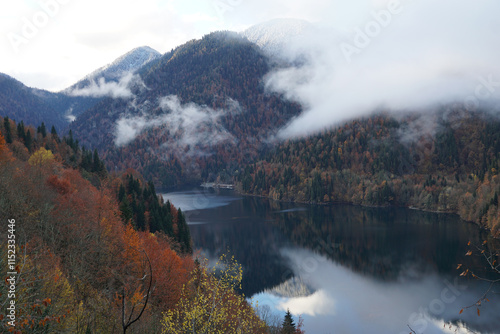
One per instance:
(383, 242)
(198, 199)
(368, 269)
(241, 226)
(349, 302)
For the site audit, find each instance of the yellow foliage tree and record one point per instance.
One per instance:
(41, 157)
(43, 295)
(210, 304)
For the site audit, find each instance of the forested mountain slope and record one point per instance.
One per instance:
(34, 106)
(22, 103)
(447, 161)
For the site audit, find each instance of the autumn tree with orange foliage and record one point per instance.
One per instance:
(5, 154)
(78, 255)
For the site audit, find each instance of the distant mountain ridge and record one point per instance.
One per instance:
(17, 101)
(129, 62)
(33, 105)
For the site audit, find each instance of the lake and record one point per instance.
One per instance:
(347, 269)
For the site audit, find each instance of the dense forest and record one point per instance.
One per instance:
(446, 161)
(102, 253)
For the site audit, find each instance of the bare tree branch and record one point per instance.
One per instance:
(148, 293)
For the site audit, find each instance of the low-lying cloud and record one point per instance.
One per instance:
(69, 115)
(191, 128)
(398, 56)
(102, 88)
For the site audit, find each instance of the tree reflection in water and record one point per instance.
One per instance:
(383, 245)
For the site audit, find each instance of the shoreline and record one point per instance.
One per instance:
(483, 227)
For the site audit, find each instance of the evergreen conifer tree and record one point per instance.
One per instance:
(288, 324)
(8, 131)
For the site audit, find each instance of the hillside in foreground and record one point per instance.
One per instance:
(99, 253)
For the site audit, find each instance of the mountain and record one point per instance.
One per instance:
(74, 100)
(127, 63)
(34, 106)
(23, 103)
(276, 35)
(200, 110)
(66, 107)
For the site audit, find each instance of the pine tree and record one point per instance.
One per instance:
(167, 223)
(126, 211)
(96, 163)
(152, 190)
(288, 326)
(28, 142)
(21, 132)
(121, 193)
(140, 217)
(8, 131)
(184, 234)
(87, 161)
(71, 142)
(43, 130)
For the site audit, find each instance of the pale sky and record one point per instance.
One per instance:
(51, 44)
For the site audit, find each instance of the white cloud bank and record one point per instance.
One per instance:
(191, 127)
(400, 55)
(103, 88)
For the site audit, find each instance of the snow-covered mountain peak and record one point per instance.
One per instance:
(272, 36)
(129, 62)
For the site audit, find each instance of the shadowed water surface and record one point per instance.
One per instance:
(354, 269)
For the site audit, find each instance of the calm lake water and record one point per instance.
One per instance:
(347, 269)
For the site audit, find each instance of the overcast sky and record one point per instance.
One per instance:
(74, 37)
